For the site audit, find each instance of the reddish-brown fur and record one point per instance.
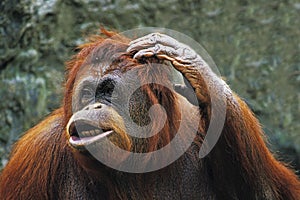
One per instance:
(43, 166)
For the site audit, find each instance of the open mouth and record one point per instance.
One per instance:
(83, 133)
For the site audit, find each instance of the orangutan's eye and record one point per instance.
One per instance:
(105, 90)
(87, 95)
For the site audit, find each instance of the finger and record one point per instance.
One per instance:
(143, 42)
(154, 38)
(139, 46)
(151, 40)
(159, 50)
(143, 53)
(165, 57)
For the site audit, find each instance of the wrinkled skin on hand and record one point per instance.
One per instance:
(185, 60)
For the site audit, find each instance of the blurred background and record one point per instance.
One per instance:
(255, 44)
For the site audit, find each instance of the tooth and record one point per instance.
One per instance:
(89, 133)
(97, 131)
(92, 132)
(84, 133)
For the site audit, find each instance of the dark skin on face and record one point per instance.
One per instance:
(94, 115)
(53, 160)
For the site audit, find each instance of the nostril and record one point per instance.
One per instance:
(93, 106)
(97, 106)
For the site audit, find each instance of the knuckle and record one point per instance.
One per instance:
(157, 48)
(155, 37)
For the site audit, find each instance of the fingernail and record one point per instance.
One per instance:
(136, 56)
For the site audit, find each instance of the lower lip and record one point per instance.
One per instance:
(78, 142)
